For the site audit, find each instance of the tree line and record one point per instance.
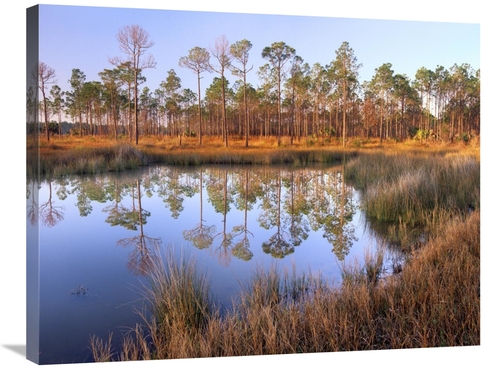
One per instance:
(294, 99)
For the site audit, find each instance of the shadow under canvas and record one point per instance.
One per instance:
(18, 349)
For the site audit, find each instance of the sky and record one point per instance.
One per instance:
(85, 38)
(13, 93)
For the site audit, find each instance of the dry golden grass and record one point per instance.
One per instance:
(433, 302)
(256, 144)
(74, 154)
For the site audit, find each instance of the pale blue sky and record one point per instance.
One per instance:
(85, 38)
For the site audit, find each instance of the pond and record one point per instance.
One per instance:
(97, 232)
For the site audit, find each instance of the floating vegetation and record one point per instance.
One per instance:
(80, 291)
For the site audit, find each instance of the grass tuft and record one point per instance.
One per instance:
(432, 302)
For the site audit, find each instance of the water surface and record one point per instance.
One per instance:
(97, 234)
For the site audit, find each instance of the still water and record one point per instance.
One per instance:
(96, 234)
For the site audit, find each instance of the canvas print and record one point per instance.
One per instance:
(206, 184)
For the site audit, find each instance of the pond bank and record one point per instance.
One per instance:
(63, 156)
(434, 302)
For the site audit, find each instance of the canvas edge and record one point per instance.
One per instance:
(32, 157)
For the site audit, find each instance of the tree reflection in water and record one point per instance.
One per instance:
(288, 204)
(336, 218)
(50, 214)
(144, 248)
(202, 236)
(278, 244)
(247, 215)
(32, 204)
(217, 189)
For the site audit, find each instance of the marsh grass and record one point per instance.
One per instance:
(298, 156)
(63, 156)
(369, 272)
(75, 155)
(433, 302)
(416, 189)
(90, 160)
(102, 351)
(179, 306)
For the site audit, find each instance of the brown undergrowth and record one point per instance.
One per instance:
(91, 155)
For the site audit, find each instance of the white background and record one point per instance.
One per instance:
(12, 143)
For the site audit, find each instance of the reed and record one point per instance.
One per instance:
(433, 302)
(102, 351)
(90, 160)
(415, 189)
(76, 155)
(261, 156)
(180, 305)
(65, 156)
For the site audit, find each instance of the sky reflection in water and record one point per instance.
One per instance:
(97, 233)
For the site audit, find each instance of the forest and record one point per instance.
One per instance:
(295, 100)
